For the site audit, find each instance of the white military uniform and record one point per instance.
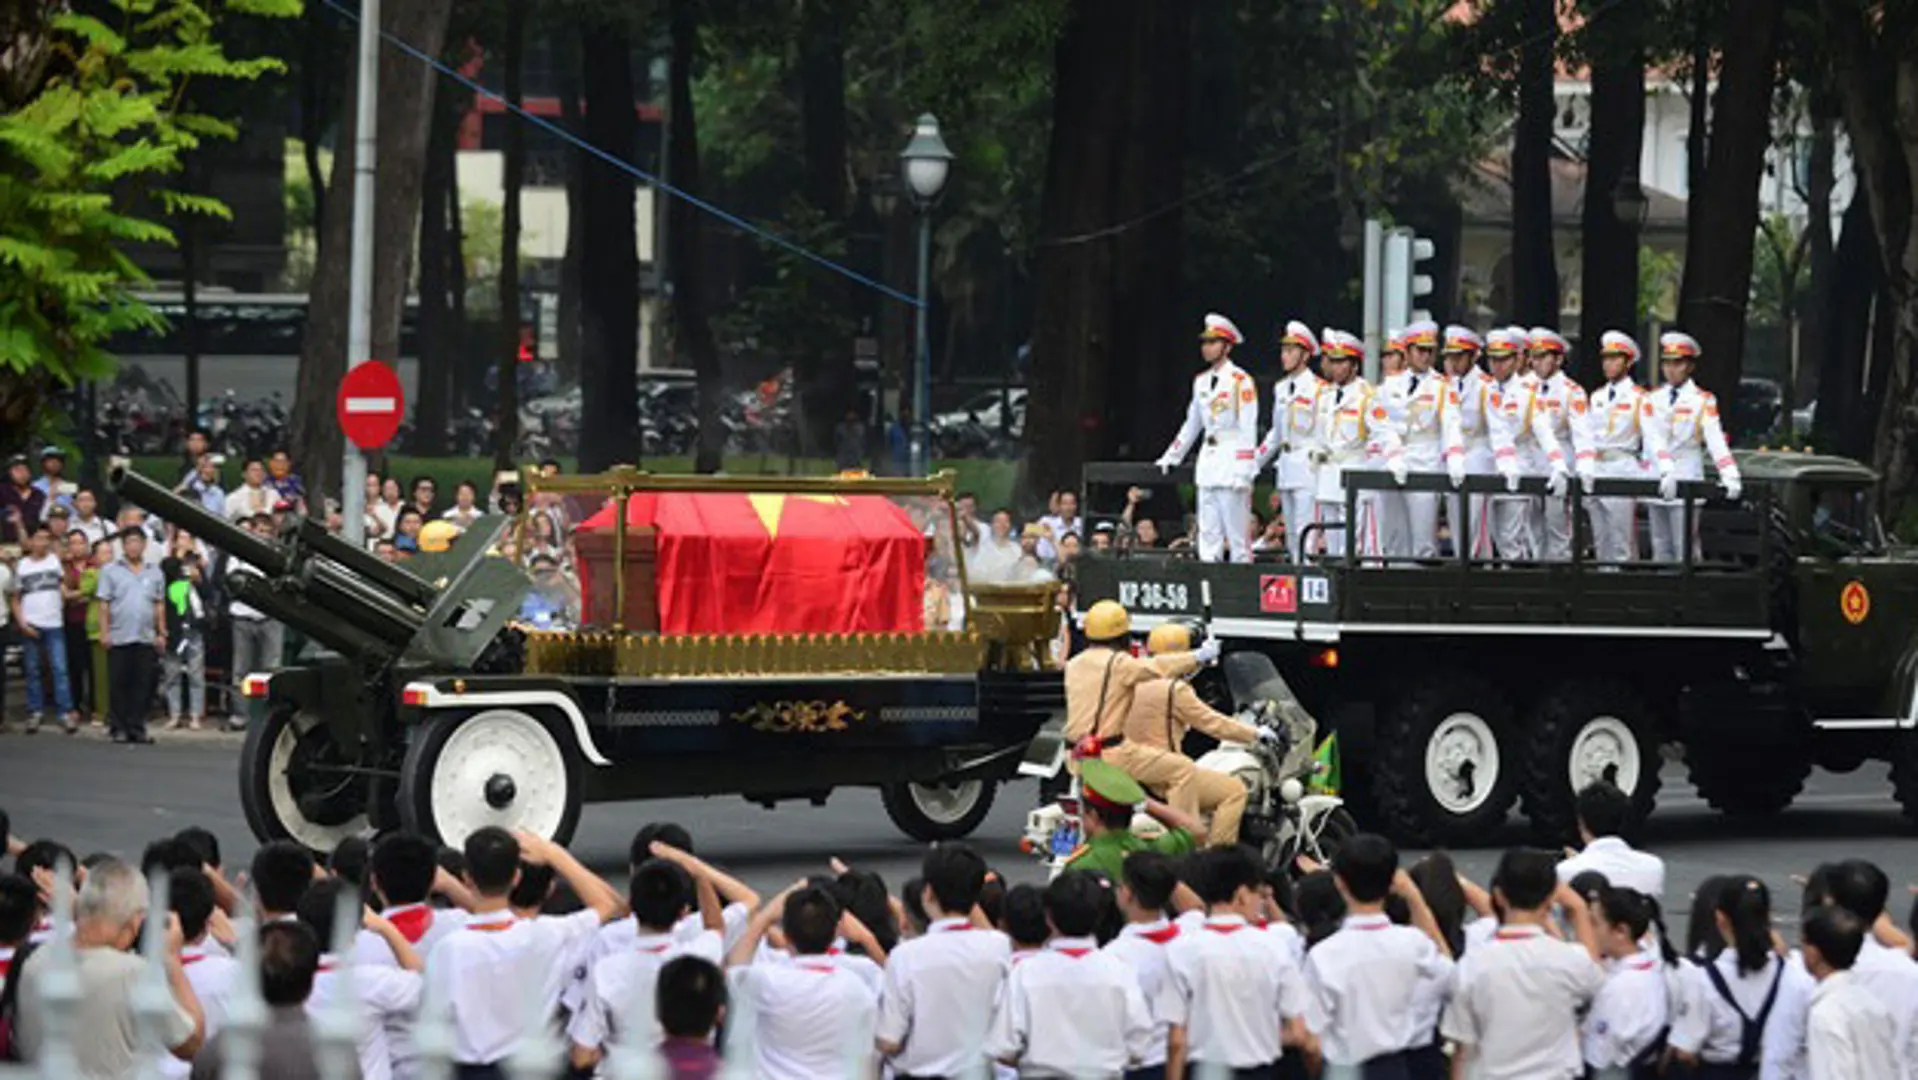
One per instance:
(1623, 447)
(1522, 444)
(1350, 418)
(1391, 531)
(1470, 516)
(1566, 410)
(1295, 412)
(1433, 441)
(1686, 420)
(1223, 422)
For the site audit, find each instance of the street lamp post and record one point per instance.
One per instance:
(924, 162)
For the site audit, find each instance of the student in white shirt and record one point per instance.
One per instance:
(388, 997)
(492, 968)
(1072, 1010)
(940, 988)
(1749, 1020)
(1514, 1012)
(1604, 814)
(209, 970)
(1366, 981)
(403, 872)
(1861, 889)
(1624, 1031)
(1849, 1034)
(619, 988)
(807, 1017)
(1234, 997)
(1144, 895)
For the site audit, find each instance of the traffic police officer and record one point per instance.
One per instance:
(1295, 411)
(1470, 514)
(1623, 446)
(1431, 433)
(1223, 420)
(1162, 712)
(1686, 418)
(1566, 409)
(1350, 417)
(1101, 679)
(1519, 433)
(1109, 797)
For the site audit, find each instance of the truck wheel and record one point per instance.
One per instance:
(940, 811)
(1585, 731)
(1748, 784)
(286, 789)
(496, 767)
(1904, 773)
(1445, 775)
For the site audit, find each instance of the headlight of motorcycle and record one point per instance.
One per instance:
(1291, 791)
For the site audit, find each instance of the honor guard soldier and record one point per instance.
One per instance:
(1295, 412)
(1110, 798)
(1223, 420)
(1350, 417)
(1387, 508)
(1101, 679)
(1525, 371)
(1470, 515)
(1624, 446)
(1162, 712)
(1431, 435)
(1686, 418)
(1566, 409)
(1522, 444)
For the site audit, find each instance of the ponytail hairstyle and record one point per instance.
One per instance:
(1637, 913)
(1666, 951)
(1702, 939)
(1746, 904)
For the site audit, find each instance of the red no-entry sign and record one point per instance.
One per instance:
(370, 404)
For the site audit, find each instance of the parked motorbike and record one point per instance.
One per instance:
(1286, 815)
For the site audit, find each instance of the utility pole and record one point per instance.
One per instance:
(359, 315)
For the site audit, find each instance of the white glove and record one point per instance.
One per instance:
(1164, 466)
(1586, 480)
(1555, 487)
(1398, 472)
(1733, 488)
(1511, 482)
(1455, 468)
(1271, 735)
(1208, 651)
(1668, 486)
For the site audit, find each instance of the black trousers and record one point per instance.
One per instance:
(1427, 1063)
(479, 1072)
(80, 667)
(131, 671)
(1152, 1072)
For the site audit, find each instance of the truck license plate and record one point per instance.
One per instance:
(1154, 596)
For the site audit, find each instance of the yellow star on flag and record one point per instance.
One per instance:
(770, 507)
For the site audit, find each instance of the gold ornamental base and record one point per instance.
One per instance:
(696, 656)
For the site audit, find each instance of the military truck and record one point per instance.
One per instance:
(436, 699)
(1461, 689)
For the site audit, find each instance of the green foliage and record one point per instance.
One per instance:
(109, 121)
(1780, 276)
(1658, 276)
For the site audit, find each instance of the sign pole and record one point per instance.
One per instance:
(359, 316)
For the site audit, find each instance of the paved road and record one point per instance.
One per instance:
(97, 796)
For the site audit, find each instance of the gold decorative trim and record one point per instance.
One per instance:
(655, 656)
(799, 717)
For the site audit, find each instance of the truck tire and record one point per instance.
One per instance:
(497, 766)
(1748, 784)
(1446, 767)
(283, 792)
(1904, 773)
(1586, 730)
(929, 812)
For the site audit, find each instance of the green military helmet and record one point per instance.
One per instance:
(1109, 786)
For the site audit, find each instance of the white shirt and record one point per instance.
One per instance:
(94, 528)
(211, 975)
(386, 997)
(1071, 1010)
(1142, 946)
(621, 935)
(1711, 1029)
(488, 970)
(1232, 987)
(812, 1019)
(1629, 1012)
(992, 560)
(248, 501)
(940, 991)
(37, 581)
(1049, 545)
(1364, 985)
(1891, 977)
(422, 925)
(620, 991)
(1849, 1034)
(1623, 866)
(1516, 1005)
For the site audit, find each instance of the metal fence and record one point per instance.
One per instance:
(539, 1055)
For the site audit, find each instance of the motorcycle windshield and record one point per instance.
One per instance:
(1252, 677)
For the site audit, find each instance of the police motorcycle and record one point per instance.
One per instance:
(1288, 812)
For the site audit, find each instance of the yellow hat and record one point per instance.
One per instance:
(1107, 620)
(1168, 637)
(438, 535)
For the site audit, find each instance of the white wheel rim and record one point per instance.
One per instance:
(945, 804)
(1605, 749)
(487, 746)
(286, 806)
(1461, 763)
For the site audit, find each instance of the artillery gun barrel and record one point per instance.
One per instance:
(334, 633)
(270, 558)
(410, 589)
(360, 603)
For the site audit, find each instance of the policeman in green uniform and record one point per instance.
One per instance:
(1107, 800)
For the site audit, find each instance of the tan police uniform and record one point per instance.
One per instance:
(1163, 710)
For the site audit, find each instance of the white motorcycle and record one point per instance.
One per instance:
(1283, 820)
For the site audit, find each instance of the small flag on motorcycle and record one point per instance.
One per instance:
(1325, 767)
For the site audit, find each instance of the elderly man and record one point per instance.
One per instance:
(107, 917)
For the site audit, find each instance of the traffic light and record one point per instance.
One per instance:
(1403, 285)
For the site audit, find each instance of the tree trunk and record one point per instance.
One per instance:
(406, 103)
(1698, 137)
(571, 279)
(468, 370)
(1609, 276)
(506, 427)
(437, 346)
(1718, 246)
(690, 319)
(825, 368)
(609, 259)
(314, 75)
(1842, 424)
(1820, 180)
(1534, 262)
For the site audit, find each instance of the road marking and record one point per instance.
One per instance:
(371, 405)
